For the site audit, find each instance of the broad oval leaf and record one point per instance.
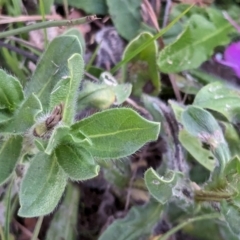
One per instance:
(77, 162)
(52, 67)
(115, 133)
(9, 154)
(42, 186)
(11, 92)
(131, 12)
(160, 187)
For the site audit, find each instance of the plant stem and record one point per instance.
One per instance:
(48, 24)
(186, 222)
(37, 228)
(42, 10)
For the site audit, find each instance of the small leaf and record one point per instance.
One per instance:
(143, 67)
(52, 67)
(77, 162)
(129, 25)
(122, 92)
(100, 96)
(137, 224)
(42, 186)
(160, 187)
(194, 146)
(24, 116)
(115, 133)
(9, 153)
(219, 97)
(11, 92)
(196, 43)
(64, 223)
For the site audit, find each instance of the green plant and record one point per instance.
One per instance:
(38, 129)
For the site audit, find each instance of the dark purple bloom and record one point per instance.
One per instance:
(232, 57)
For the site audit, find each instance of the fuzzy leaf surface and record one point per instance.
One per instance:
(115, 133)
(52, 67)
(9, 153)
(42, 186)
(77, 162)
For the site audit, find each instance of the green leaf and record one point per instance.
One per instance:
(75, 32)
(64, 223)
(77, 162)
(194, 146)
(24, 116)
(143, 66)
(161, 188)
(200, 123)
(122, 92)
(115, 133)
(89, 6)
(9, 153)
(137, 224)
(66, 90)
(197, 42)
(42, 186)
(231, 214)
(52, 67)
(11, 92)
(129, 25)
(219, 97)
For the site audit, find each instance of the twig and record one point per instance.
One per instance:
(48, 24)
(231, 21)
(6, 20)
(175, 87)
(166, 13)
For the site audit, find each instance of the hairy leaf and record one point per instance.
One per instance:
(77, 162)
(115, 133)
(42, 186)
